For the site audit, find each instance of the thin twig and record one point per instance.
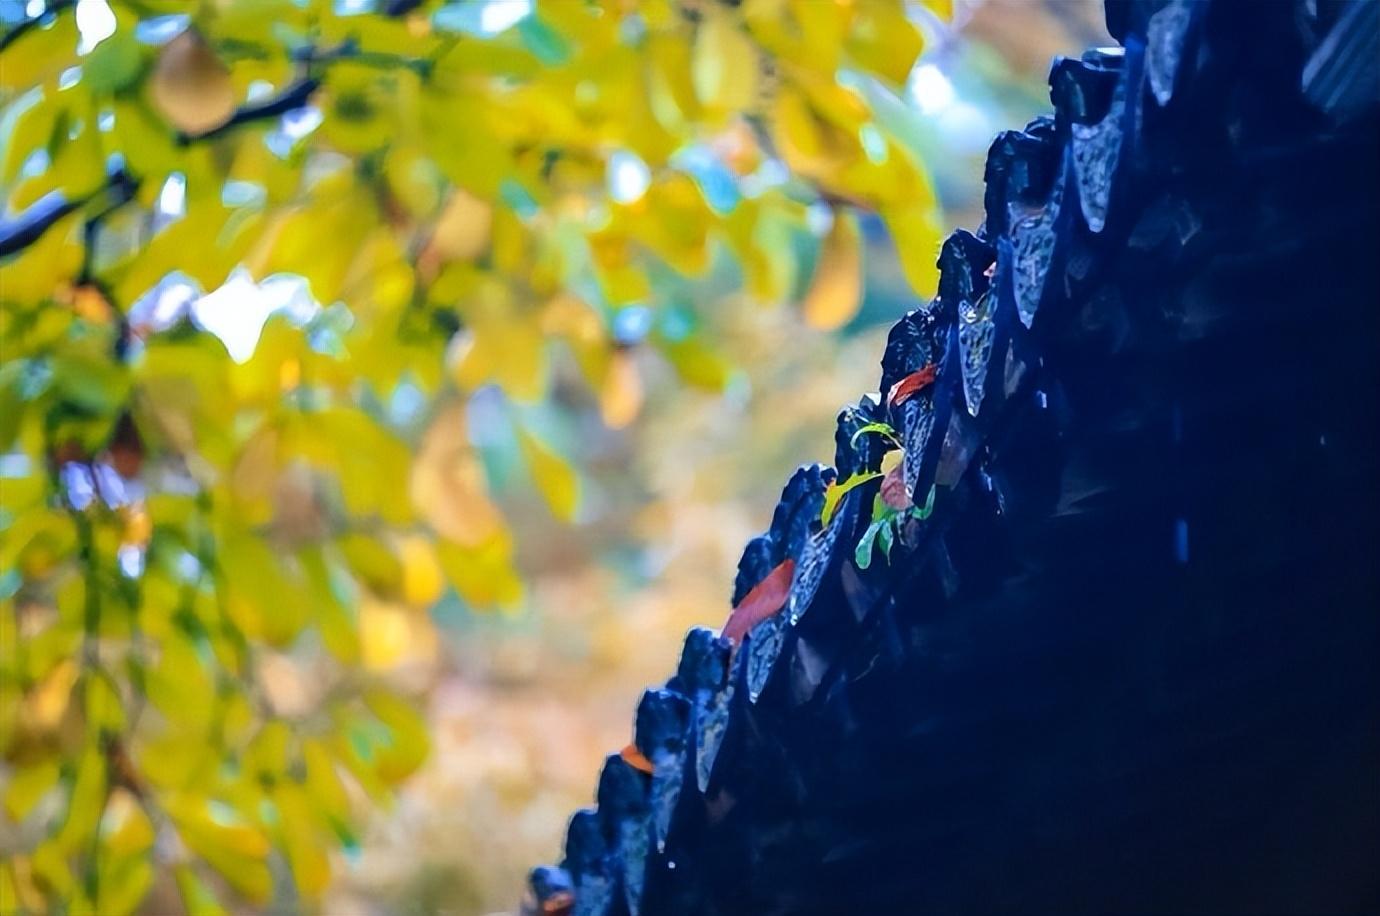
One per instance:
(293, 97)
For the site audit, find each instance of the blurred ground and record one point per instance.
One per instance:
(524, 708)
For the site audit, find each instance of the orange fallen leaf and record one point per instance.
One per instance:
(916, 382)
(637, 759)
(766, 598)
(558, 904)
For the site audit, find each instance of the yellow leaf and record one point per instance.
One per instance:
(554, 477)
(391, 635)
(46, 703)
(311, 870)
(179, 686)
(697, 364)
(254, 474)
(447, 483)
(334, 617)
(499, 344)
(320, 240)
(16, 892)
(422, 579)
(104, 710)
(122, 882)
(36, 273)
(884, 40)
(511, 241)
(838, 490)
(798, 133)
(79, 166)
(915, 230)
(86, 802)
(255, 163)
(125, 828)
(620, 396)
(482, 573)
(28, 126)
(820, 26)
(462, 232)
(670, 88)
(27, 785)
(262, 596)
(197, 898)
(409, 745)
(255, 22)
(724, 67)
(267, 754)
(836, 290)
(322, 781)
(371, 562)
(361, 111)
(200, 245)
(190, 85)
(40, 53)
(49, 864)
(147, 143)
(458, 129)
(237, 850)
(413, 180)
(365, 456)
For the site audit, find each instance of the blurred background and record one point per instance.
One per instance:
(168, 441)
(523, 707)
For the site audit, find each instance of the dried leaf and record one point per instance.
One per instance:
(448, 485)
(637, 759)
(190, 85)
(836, 291)
(912, 384)
(462, 231)
(620, 395)
(766, 598)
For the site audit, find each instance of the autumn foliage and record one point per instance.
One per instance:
(258, 257)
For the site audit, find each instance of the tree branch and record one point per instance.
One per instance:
(350, 50)
(22, 231)
(122, 187)
(51, 10)
(293, 97)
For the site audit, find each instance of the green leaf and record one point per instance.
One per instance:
(862, 556)
(115, 64)
(886, 535)
(555, 479)
(882, 429)
(924, 512)
(837, 491)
